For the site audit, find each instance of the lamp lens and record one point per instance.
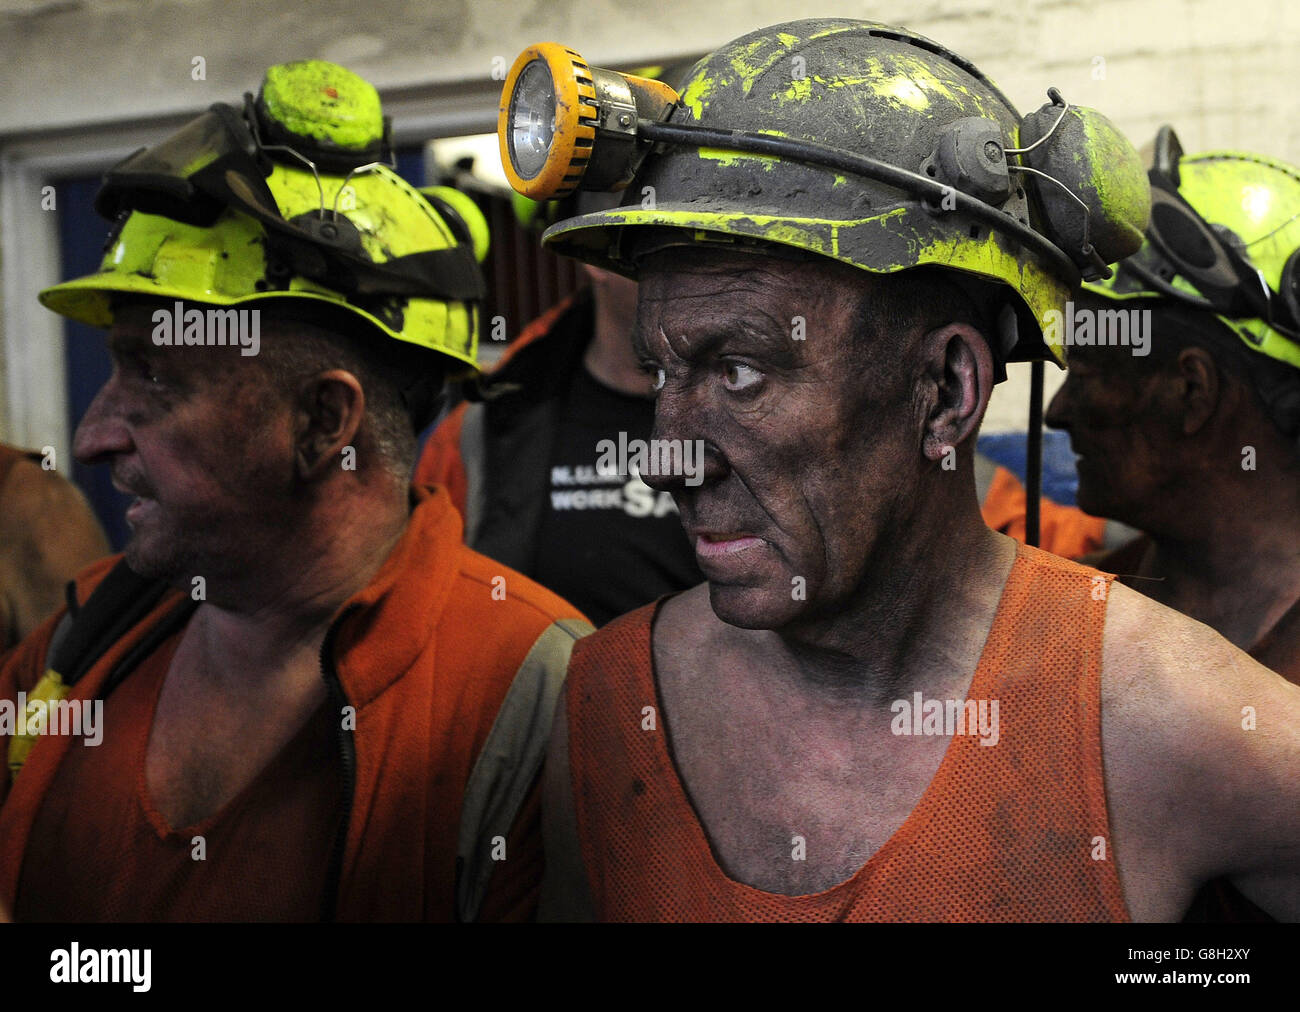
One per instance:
(532, 119)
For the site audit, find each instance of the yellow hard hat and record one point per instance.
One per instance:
(292, 196)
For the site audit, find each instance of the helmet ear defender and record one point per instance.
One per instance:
(235, 157)
(462, 216)
(457, 224)
(564, 125)
(292, 194)
(1289, 285)
(1211, 258)
(327, 157)
(1074, 158)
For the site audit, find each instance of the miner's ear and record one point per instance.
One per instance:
(328, 412)
(957, 378)
(1200, 388)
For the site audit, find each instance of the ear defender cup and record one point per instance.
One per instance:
(1207, 259)
(1097, 202)
(462, 216)
(1288, 287)
(324, 112)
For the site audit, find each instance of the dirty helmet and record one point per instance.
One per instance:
(291, 196)
(852, 140)
(1224, 238)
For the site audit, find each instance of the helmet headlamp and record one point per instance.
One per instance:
(564, 125)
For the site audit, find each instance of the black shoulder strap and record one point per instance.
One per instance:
(117, 604)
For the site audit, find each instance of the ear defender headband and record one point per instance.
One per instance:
(566, 126)
(1183, 244)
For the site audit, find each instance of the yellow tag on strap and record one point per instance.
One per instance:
(32, 716)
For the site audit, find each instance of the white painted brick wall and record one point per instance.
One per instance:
(1226, 73)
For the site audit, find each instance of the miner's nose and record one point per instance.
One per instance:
(679, 437)
(1058, 411)
(690, 464)
(102, 432)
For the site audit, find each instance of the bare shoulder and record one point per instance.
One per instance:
(28, 480)
(685, 623)
(1173, 674)
(48, 534)
(1200, 746)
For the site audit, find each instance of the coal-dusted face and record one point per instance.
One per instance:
(192, 433)
(812, 442)
(1115, 408)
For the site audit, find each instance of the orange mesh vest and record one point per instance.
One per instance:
(1013, 832)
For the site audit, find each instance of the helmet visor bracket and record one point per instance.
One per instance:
(218, 162)
(167, 179)
(1182, 243)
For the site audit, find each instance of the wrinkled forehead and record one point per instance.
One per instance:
(156, 330)
(747, 290)
(759, 260)
(685, 285)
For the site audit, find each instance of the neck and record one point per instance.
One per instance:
(1236, 569)
(920, 617)
(264, 622)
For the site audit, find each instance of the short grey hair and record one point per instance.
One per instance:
(301, 344)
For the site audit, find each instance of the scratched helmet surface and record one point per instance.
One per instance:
(862, 87)
(333, 115)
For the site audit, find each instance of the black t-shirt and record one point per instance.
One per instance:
(607, 543)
